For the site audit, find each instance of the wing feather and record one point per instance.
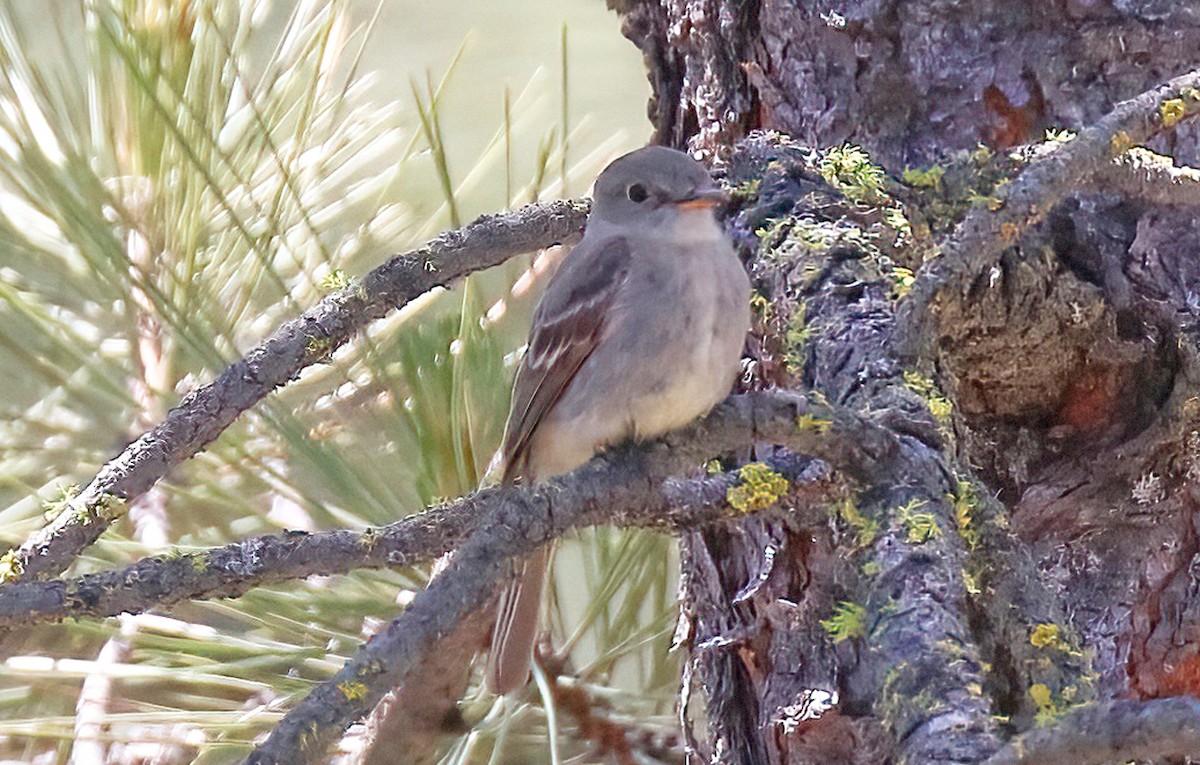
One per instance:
(567, 326)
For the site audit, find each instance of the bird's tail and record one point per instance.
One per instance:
(516, 626)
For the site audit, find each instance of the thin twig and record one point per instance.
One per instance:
(206, 412)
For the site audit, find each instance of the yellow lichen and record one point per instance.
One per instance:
(1172, 111)
(60, 501)
(353, 690)
(939, 406)
(809, 422)
(1040, 693)
(1121, 142)
(1046, 635)
(758, 487)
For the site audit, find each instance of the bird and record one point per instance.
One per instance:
(639, 332)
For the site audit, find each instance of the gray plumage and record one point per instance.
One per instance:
(638, 333)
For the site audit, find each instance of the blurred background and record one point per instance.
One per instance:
(178, 178)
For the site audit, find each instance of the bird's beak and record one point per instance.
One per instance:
(702, 198)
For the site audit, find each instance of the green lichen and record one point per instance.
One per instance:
(746, 190)
(198, 561)
(939, 406)
(11, 567)
(318, 348)
(60, 501)
(849, 169)
(929, 178)
(758, 488)
(867, 529)
(898, 222)
(919, 526)
(966, 500)
(902, 281)
(335, 280)
(110, 507)
(797, 336)
(848, 621)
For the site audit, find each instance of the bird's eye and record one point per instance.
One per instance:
(637, 193)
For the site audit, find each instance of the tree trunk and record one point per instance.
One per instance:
(1040, 550)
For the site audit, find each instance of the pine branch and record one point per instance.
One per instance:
(311, 338)
(234, 569)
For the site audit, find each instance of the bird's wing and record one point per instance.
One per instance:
(567, 326)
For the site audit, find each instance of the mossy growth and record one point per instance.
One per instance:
(796, 337)
(919, 526)
(849, 169)
(965, 501)
(866, 529)
(847, 621)
(943, 194)
(746, 190)
(939, 406)
(758, 488)
(929, 178)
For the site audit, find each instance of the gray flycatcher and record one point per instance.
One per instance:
(638, 333)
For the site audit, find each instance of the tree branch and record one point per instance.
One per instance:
(985, 233)
(234, 569)
(622, 488)
(1149, 177)
(1119, 731)
(310, 338)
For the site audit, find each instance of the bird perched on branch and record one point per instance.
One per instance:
(638, 333)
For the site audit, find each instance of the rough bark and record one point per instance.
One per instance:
(1066, 363)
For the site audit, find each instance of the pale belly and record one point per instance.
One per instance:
(688, 370)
